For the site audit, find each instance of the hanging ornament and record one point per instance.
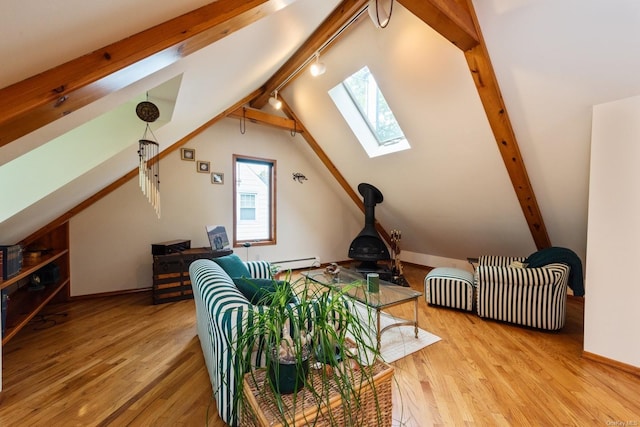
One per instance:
(147, 111)
(149, 163)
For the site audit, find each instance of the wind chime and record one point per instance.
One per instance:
(149, 167)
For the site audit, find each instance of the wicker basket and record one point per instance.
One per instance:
(371, 406)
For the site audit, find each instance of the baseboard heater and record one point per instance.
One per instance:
(295, 264)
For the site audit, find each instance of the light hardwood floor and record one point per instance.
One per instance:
(122, 361)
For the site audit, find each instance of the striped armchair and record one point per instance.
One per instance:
(221, 312)
(534, 297)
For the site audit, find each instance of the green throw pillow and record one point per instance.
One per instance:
(232, 265)
(260, 291)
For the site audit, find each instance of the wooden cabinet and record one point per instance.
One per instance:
(23, 303)
(171, 281)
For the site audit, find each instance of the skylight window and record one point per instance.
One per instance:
(365, 109)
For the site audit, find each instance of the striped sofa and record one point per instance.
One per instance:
(534, 297)
(221, 312)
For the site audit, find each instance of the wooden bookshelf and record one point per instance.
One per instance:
(24, 304)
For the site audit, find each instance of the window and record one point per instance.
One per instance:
(254, 201)
(247, 207)
(365, 109)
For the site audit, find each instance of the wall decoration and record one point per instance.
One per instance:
(297, 176)
(188, 154)
(203, 167)
(217, 178)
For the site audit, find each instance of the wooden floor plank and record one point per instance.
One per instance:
(123, 361)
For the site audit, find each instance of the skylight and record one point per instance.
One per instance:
(365, 109)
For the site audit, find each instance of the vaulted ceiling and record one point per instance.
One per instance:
(46, 97)
(455, 194)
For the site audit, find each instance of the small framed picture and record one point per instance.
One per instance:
(203, 167)
(217, 178)
(188, 154)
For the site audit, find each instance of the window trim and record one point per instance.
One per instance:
(271, 239)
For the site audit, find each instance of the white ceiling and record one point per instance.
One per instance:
(449, 194)
(212, 79)
(431, 191)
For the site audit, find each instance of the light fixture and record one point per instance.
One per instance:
(317, 68)
(380, 12)
(274, 101)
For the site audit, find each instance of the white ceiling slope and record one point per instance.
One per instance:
(555, 61)
(450, 194)
(212, 79)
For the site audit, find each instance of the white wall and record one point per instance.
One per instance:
(449, 194)
(434, 260)
(111, 241)
(612, 286)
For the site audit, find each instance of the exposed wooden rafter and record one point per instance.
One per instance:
(258, 116)
(444, 16)
(331, 167)
(327, 29)
(447, 17)
(48, 96)
(42, 99)
(496, 111)
(293, 123)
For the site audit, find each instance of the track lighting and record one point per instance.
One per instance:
(317, 68)
(274, 101)
(380, 12)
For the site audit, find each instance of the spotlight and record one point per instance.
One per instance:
(274, 101)
(317, 68)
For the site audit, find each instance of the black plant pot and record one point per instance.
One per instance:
(287, 378)
(329, 355)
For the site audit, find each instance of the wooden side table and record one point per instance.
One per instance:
(371, 406)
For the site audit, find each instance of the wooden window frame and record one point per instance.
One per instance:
(271, 239)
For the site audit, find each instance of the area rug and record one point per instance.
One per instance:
(398, 342)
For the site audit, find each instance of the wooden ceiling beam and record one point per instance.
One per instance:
(331, 167)
(342, 14)
(260, 117)
(458, 22)
(488, 88)
(41, 99)
(448, 17)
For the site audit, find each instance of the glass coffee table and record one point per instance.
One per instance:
(354, 284)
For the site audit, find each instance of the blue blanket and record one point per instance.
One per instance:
(562, 256)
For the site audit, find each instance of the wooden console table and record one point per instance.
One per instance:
(171, 281)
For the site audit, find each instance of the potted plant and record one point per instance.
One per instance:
(289, 364)
(305, 329)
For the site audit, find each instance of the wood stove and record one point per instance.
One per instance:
(368, 247)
